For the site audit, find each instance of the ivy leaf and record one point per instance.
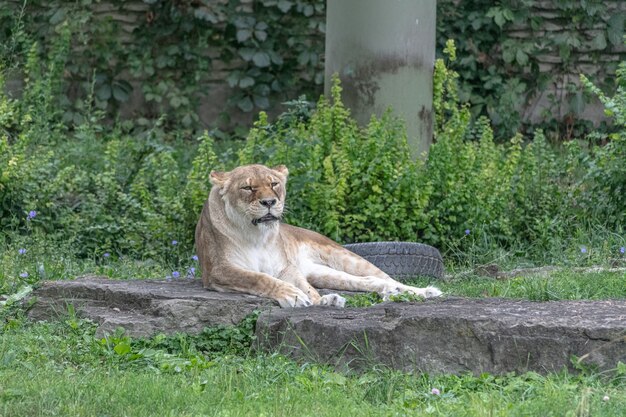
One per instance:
(205, 15)
(276, 86)
(599, 42)
(308, 10)
(508, 55)
(246, 82)
(261, 35)
(276, 58)
(246, 53)
(564, 52)
(521, 57)
(233, 78)
(175, 102)
(245, 104)
(243, 35)
(262, 89)
(615, 29)
(162, 61)
(121, 91)
(261, 59)
(303, 58)
(261, 102)
(497, 15)
(573, 40)
(58, 16)
(284, 5)
(103, 92)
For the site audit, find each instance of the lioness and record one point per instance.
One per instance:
(242, 246)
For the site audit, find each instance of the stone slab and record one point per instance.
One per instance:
(453, 335)
(144, 307)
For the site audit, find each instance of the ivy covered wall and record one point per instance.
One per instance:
(520, 60)
(207, 63)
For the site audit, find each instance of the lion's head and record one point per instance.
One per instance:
(253, 193)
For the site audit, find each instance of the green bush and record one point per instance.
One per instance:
(515, 194)
(349, 183)
(603, 187)
(103, 190)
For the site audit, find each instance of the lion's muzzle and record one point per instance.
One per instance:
(267, 218)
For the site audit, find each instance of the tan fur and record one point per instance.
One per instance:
(272, 259)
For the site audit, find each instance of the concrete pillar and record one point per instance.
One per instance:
(384, 53)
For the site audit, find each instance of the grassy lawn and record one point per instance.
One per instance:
(561, 284)
(61, 368)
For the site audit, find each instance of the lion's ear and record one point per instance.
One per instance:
(218, 178)
(282, 169)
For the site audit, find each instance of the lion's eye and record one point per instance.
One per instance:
(274, 184)
(247, 188)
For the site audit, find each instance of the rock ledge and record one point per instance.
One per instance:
(452, 335)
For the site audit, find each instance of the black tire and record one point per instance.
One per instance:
(401, 260)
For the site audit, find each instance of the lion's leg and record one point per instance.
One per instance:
(230, 278)
(342, 260)
(326, 277)
(292, 275)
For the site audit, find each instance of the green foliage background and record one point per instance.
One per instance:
(272, 50)
(103, 190)
(263, 47)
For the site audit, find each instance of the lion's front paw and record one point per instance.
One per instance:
(333, 300)
(293, 297)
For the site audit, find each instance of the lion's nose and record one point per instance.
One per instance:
(268, 202)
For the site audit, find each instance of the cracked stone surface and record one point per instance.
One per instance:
(144, 307)
(453, 335)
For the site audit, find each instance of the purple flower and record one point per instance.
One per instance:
(32, 214)
(195, 257)
(622, 250)
(435, 391)
(22, 251)
(24, 275)
(174, 242)
(583, 249)
(191, 272)
(106, 254)
(175, 274)
(467, 231)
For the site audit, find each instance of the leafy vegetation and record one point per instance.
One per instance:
(160, 51)
(502, 58)
(105, 191)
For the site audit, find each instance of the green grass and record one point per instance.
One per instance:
(564, 284)
(62, 369)
(46, 261)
